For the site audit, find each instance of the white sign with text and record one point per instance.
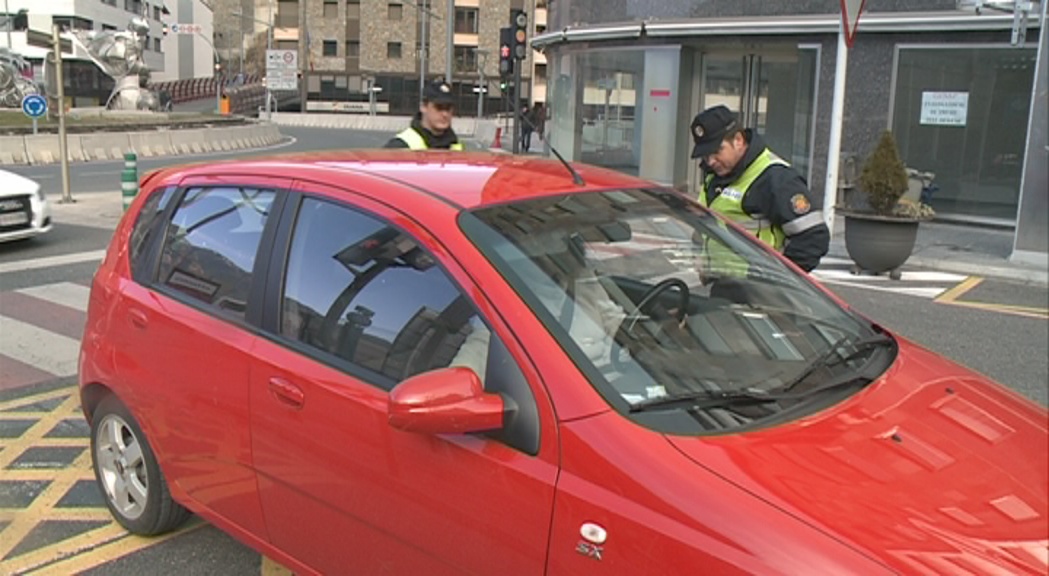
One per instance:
(944, 108)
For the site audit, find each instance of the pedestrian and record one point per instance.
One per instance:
(748, 184)
(432, 125)
(539, 117)
(527, 122)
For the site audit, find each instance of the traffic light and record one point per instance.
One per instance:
(506, 61)
(519, 42)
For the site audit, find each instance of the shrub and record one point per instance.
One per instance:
(884, 178)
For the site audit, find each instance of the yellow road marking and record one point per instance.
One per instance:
(108, 551)
(272, 568)
(960, 289)
(951, 298)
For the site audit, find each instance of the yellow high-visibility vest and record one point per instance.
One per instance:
(721, 260)
(415, 141)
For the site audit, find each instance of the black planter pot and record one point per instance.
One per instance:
(879, 243)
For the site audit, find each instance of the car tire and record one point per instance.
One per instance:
(128, 475)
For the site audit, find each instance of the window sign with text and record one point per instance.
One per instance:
(944, 108)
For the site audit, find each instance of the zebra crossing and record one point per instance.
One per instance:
(40, 330)
(927, 284)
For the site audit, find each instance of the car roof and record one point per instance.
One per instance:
(465, 179)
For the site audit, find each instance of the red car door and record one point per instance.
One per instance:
(186, 344)
(361, 304)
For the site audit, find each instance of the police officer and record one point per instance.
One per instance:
(432, 126)
(753, 187)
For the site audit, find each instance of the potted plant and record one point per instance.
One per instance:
(880, 235)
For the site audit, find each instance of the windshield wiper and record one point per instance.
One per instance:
(828, 358)
(704, 399)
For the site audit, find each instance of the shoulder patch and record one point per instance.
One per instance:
(800, 204)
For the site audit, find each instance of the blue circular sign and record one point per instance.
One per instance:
(34, 105)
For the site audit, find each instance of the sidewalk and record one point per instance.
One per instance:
(964, 249)
(101, 209)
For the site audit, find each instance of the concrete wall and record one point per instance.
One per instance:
(44, 148)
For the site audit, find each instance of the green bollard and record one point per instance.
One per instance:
(128, 186)
(129, 179)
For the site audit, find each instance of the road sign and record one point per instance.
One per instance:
(850, 17)
(186, 28)
(282, 80)
(34, 105)
(281, 60)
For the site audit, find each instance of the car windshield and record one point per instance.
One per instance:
(667, 310)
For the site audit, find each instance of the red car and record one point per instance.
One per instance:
(443, 363)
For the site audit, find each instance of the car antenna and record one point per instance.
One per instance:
(576, 178)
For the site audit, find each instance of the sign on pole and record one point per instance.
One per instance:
(34, 106)
(282, 69)
(850, 17)
(186, 29)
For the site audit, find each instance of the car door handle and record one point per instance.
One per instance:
(138, 318)
(287, 392)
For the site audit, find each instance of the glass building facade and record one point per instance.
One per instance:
(627, 76)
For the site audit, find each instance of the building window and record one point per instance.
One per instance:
(156, 45)
(287, 44)
(466, 20)
(331, 8)
(133, 6)
(395, 11)
(110, 2)
(156, 13)
(466, 59)
(962, 113)
(106, 27)
(72, 23)
(393, 50)
(353, 49)
(330, 48)
(287, 14)
(353, 9)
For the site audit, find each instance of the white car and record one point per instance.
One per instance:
(24, 211)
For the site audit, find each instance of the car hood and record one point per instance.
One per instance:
(12, 184)
(930, 469)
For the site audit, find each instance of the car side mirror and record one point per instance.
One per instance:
(445, 401)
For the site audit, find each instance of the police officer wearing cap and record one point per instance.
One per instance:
(748, 184)
(432, 126)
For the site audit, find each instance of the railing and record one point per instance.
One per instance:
(197, 88)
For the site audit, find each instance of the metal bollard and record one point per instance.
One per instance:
(129, 179)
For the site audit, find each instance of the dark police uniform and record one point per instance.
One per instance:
(416, 137)
(763, 193)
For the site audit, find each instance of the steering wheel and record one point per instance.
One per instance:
(650, 296)
(625, 333)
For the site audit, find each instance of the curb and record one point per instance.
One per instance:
(44, 149)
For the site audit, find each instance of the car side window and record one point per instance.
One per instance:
(362, 292)
(367, 293)
(211, 244)
(148, 226)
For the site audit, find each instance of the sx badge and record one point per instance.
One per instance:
(594, 537)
